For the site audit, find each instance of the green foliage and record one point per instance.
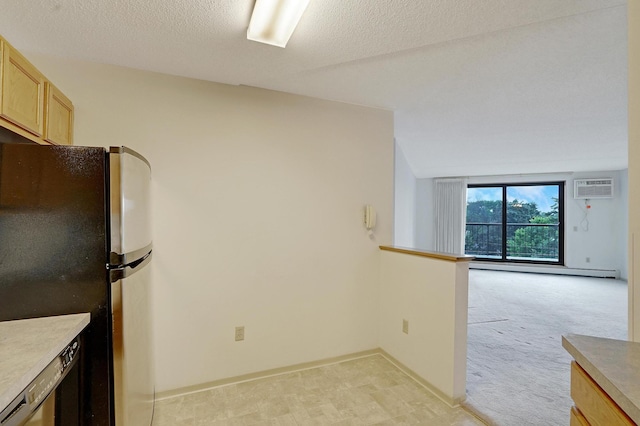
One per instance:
(527, 235)
(534, 241)
(486, 211)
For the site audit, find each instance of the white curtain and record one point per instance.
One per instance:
(450, 206)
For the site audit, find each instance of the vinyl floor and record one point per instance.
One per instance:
(364, 391)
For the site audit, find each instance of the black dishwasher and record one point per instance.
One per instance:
(38, 403)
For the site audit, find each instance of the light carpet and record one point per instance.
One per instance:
(517, 370)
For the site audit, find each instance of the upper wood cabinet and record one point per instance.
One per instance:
(58, 117)
(22, 92)
(29, 104)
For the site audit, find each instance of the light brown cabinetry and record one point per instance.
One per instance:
(58, 117)
(22, 92)
(577, 419)
(592, 405)
(29, 104)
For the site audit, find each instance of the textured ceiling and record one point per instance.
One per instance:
(479, 87)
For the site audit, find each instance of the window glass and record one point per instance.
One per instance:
(484, 222)
(515, 222)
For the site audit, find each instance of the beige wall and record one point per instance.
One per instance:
(634, 169)
(258, 198)
(432, 295)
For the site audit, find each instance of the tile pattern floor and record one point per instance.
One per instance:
(363, 391)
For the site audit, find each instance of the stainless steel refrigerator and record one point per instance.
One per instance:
(75, 236)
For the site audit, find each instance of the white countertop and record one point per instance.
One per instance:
(28, 346)
(613, 364)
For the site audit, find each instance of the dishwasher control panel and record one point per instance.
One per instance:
(30, 399)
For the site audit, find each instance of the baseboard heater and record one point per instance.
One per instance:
(546, 269)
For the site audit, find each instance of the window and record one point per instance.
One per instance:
(516, 222)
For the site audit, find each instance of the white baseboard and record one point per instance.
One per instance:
(451, 402)
(545, 269)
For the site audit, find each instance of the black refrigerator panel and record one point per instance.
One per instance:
(53, 251)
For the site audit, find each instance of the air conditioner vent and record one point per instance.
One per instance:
(593, 188)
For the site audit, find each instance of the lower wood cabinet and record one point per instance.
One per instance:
(592, 405)
(577, 419)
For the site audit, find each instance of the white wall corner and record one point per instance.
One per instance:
(404, 224)
(633, 14)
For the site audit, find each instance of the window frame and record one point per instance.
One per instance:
(561, 222)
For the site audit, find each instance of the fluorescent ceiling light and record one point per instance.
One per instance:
(273, 21)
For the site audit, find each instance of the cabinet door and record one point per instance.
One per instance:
(22, 91)
(577, 419)
(593, 402)
(59, 117)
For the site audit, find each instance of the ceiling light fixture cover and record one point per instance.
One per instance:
(273, 21)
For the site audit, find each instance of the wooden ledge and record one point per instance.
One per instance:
(450, 257)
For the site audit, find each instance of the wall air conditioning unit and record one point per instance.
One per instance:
(593, 188)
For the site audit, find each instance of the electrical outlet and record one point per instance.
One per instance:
(405, 326)
(239, 333)
(588, 259)
(575, 229)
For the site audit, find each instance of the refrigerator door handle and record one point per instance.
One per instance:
(123, 271)
(119, 260)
